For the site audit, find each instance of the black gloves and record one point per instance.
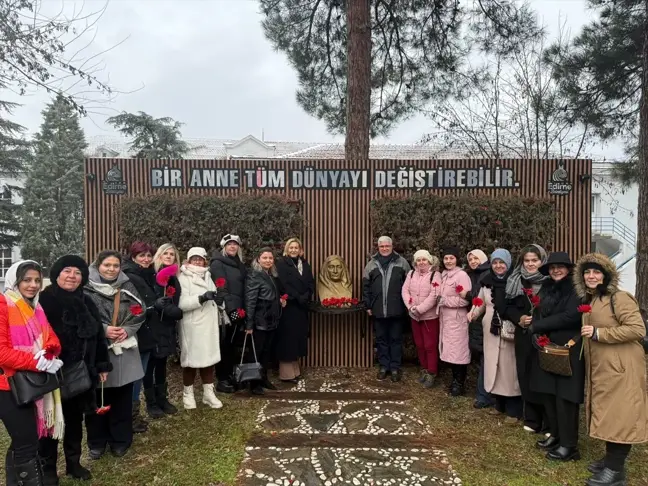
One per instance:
(219, 299)
(209, 295)
(161, 303)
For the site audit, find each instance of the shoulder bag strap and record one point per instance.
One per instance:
(115, 309)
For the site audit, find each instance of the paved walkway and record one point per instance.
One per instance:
(341, 427)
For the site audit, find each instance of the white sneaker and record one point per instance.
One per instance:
(188, 399)
(209, 397)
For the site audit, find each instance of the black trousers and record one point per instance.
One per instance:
(156, 372)
(263, 342)
(511, 406)
(616, 455)
(389, 342)
(73, 415)
(22, 428)
(115, 428)
(535, 416)
(562, 418)
(225, 366)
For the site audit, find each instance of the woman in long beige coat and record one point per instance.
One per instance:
(616, 403)
(500, 372)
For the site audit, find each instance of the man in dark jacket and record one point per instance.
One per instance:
(228, 265)
(382, 282)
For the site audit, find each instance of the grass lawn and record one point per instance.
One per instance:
(204, 447)
(486, 452)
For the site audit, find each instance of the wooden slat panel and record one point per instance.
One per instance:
(338, 221)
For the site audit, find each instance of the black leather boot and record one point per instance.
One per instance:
(256, 388)
(139, 424)
(607, 477)
(162, 399)
(596, 466)
(48, 453)
(266, 383)
(152, 408)
(549, 443)
(224, 386)
(10, 472)
(77, 471)
(28, 474)
(564, 454)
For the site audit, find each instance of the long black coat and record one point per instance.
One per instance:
(292, 334)
(262, 306)
(525, 353)
(155, 335)
(475, 331)
(77, 321)
(558, 318)
(234, 272)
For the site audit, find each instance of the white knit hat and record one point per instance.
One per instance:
(434, 261)
(197, 251)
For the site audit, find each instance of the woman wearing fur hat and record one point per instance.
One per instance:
(616, 403)
(557, 317)
(526, 277)
(500, 375)
(164, 319)
(27, 343)
(478, 266)
(122, 312)
(199, 328)
(420, 292)
(453, 328)
(228, 265)
(77, 323)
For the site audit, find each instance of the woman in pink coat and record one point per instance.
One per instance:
(420, 292)
(452, 317)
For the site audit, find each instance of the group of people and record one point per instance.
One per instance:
(122, 316)
(501, 316)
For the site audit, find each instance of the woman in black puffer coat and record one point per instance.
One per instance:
(76, 321)
(228, 265)
(557, 317)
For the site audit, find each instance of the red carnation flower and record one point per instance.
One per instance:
(170, 291)
(585, 308)
(354, 301)
(136, 309)
(103, 410)
(459, 289)
(241, 313)
(535, 301)
(220, 282)
(542, 341)
(325, 302)
(435, 284)
(477, 302)
(284, 297)
(51, 352)
(527, 291)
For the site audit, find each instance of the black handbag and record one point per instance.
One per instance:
(76, 378)
(248, 371)
(29, 386)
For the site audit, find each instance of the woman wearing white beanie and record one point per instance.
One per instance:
(420, 292)
(199, 339)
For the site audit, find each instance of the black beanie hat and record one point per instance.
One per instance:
(70, 261)
(451, 250)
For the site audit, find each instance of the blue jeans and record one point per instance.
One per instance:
(389, 342)
(482, 397)
(137, 386)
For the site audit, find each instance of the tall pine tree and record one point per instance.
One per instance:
(14, 155)
(53, 196)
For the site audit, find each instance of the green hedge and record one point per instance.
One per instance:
(466, 221)
(199, 220)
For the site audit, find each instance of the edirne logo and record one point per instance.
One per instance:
(559, 184)
(114, 182)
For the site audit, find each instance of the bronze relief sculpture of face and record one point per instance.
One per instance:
(333, 280)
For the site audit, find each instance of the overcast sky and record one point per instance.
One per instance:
(207, 64)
